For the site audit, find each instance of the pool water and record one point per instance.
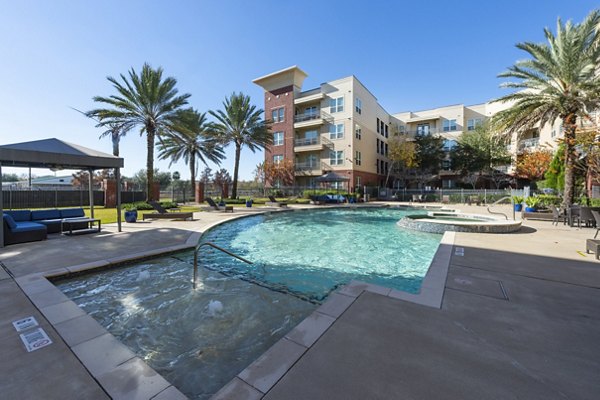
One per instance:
(311, 253)
(200, 339)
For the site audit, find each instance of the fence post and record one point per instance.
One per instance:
(484, 196)
(55, 198)
(462, 195)
(10, 198)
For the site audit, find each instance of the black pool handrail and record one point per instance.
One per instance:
(214, 246)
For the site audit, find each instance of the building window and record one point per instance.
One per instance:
(386, 149)
(336, 157)
(386, 167)
(377, 166)
(358, 181)
(278, 139)
(386, 131)
(277, 158)
(446, 165)
(377, 149)
(473, 123)
(553, 133)
(381, 148)
(310, 111)
(277, 114)
(358, 132)
(402, 129)
(381, 129)
(449, 144)
(449, 125)
(377, 125)
(423, 129)
(358, 106)
(336, 131)
(357, 158)
(336, 105)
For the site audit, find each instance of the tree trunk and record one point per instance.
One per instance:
(150, 163)
(238, 150)
(193, 174)
(115, 143)
(569, 125)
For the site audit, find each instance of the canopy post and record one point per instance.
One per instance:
(91, 180)
(118, 179)
(1, 209)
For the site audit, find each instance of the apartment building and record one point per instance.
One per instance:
(339, 126)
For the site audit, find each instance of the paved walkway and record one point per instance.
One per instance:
(520, 318)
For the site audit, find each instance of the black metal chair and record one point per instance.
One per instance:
(574, 214)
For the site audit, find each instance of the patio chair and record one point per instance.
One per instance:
(212, 206)
(586, 216)
(573, 214)
(596, 215)
(162, 213)
(274, 203)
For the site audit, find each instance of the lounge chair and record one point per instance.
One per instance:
(162, 213)
(274, 203)
(212, 206)
(596, 215)
(557, 216)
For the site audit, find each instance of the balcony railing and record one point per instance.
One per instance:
(529, 143)
(312, 141)
(309, 116)
(310, 166)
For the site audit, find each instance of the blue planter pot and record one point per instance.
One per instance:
(131, 216)
(248, 203)
(530, 209)
(518, 207)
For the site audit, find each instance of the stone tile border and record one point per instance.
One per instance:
(260, 376)
(109, 361)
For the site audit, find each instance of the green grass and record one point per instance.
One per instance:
(109, 215)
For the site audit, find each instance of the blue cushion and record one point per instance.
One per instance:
(19, 215)
(28, 226)
(45, 214)
(72, 213)
(9, 221)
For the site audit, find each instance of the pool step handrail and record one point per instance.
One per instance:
(214, 246)
(499, 213)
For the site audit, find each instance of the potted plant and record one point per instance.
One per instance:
(131, 213)
(518, 202)
(532, 203)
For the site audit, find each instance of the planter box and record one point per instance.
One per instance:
(545, 216)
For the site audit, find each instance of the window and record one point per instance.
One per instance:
(377, 166)
(377, 149)
(336, 105)
(423, 129)
(277, 114)
(386, 167)
(386, 149)
(336, 157)
(553, 133)
(358, 105)
(357, 158)
(358, 181)
(449, 144)
(377, 125)
(473, 123)
(277, 158)
(381, 148)
(278, 139)
(446, 165)
(311, 137)
(358, 132)
(402, 129)
(310, 111)
(386, 131)
(449, 125)
(336, 131)
(381, 127)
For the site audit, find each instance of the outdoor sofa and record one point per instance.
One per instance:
(27, 226)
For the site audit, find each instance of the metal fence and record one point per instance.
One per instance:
(23, 199)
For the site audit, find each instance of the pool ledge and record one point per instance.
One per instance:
(260, 376)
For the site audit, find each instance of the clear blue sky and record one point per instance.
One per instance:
(411, 55)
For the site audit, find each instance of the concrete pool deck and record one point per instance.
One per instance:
(520, 317)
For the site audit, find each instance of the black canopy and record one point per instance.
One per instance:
(332, 177)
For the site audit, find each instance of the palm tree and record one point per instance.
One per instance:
(191, 140)
(560, 81)
(146, 100)
(240, 123)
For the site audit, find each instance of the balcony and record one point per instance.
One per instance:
(311, 144)
(306, 120)
(529, 144)
(308, 168)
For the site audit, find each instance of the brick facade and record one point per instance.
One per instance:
(283, 97)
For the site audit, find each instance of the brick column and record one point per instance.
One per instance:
(110, 193)
(199, 195)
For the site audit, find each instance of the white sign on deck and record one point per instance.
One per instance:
(25, 323)
(459, 251)
(35, 339)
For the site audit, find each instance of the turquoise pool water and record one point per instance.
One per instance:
(311, 253)
(200, 339)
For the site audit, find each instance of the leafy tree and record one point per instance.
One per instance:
(191, 140)
(145, 100)
(10, 178)
(558, 82)
(280, 173)
(240, 123)
(402, 155)
(478, 152)
(555, 175)
(532, 165)
(163, 178)
(206, 177)
(429, 156)
(221, 179)
(82, 178)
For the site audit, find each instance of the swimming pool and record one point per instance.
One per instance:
(200, 339)
(311, 253)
